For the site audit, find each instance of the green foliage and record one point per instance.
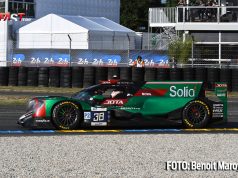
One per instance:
(171, 3)
(180, 50)
(134, 13)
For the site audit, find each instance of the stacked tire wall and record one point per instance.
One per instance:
(82, 77)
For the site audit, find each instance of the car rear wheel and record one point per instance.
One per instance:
(196, 114)
(66, 116)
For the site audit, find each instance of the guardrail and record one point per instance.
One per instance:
(163, 15)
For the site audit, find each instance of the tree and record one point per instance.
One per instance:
(134, 13)
(180, 50)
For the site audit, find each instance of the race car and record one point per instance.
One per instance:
(117, 103)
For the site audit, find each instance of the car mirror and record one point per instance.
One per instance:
(98, 98)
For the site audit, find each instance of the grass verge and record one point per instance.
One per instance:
(39, 89)
(28, 92)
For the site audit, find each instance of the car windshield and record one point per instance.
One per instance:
(86, 94)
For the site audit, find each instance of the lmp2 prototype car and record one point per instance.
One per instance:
(117, 102)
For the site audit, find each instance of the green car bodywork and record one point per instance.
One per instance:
(146, 99)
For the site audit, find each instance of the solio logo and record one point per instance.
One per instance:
(184, 92)
(11, 17)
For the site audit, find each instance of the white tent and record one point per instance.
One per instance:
(61, 32)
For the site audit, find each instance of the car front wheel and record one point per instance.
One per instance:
(66, 116)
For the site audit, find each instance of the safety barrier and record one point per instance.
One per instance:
(81, 77)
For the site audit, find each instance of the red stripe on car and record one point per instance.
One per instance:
(151, 92)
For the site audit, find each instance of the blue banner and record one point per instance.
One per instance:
(151, 58)
(57, 57)
(96, 58)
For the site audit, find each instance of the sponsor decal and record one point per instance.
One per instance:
(87, 115)
(220, 85)
(151, 92)
(184, 92)
(42, 121)
(98, 109)
(11, 17)
(146, 94)
(98, 123)
(117, 102)
(217, 110)
(129, 108)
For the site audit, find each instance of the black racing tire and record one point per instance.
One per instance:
(4, 76)
(213, 76)
(13, 76)
(77, 77)
(175, 74)
(188, 74)
(32, 76)
(125, 73)
(43, 80)
(196, 114)
(113, 71)
(150, 74)
(22, 76)
(54, 77)
(67, 115)
(162, 74)
(138, 74)
(65, 77)
(89, 77)
(100, 74)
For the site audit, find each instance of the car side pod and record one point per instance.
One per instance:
(221, 93)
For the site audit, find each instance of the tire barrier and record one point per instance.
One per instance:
(125, 73)
(225, 76)
(43, 78)
(65, 77)
(175, 74)
(162, 74)
(201, 75)
(88, 76)
(13, 76)
(212, 77)
(138, 74)
(22, 76)
(100, 74)
(32, 76)
(77, 77)
(150, 74)
(235, 80)
(4, 76)
(188, 74)
(54, 76)
(113, 71)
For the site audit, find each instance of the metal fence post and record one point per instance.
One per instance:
(70, 47)
(192, 53)
(128, 55)
(219, 49)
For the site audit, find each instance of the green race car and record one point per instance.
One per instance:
(121, 103)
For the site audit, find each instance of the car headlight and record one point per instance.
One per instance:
(31, 105)
(34, 104)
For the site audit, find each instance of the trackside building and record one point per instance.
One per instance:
(36, 9)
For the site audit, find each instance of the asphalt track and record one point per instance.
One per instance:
(10, 114)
